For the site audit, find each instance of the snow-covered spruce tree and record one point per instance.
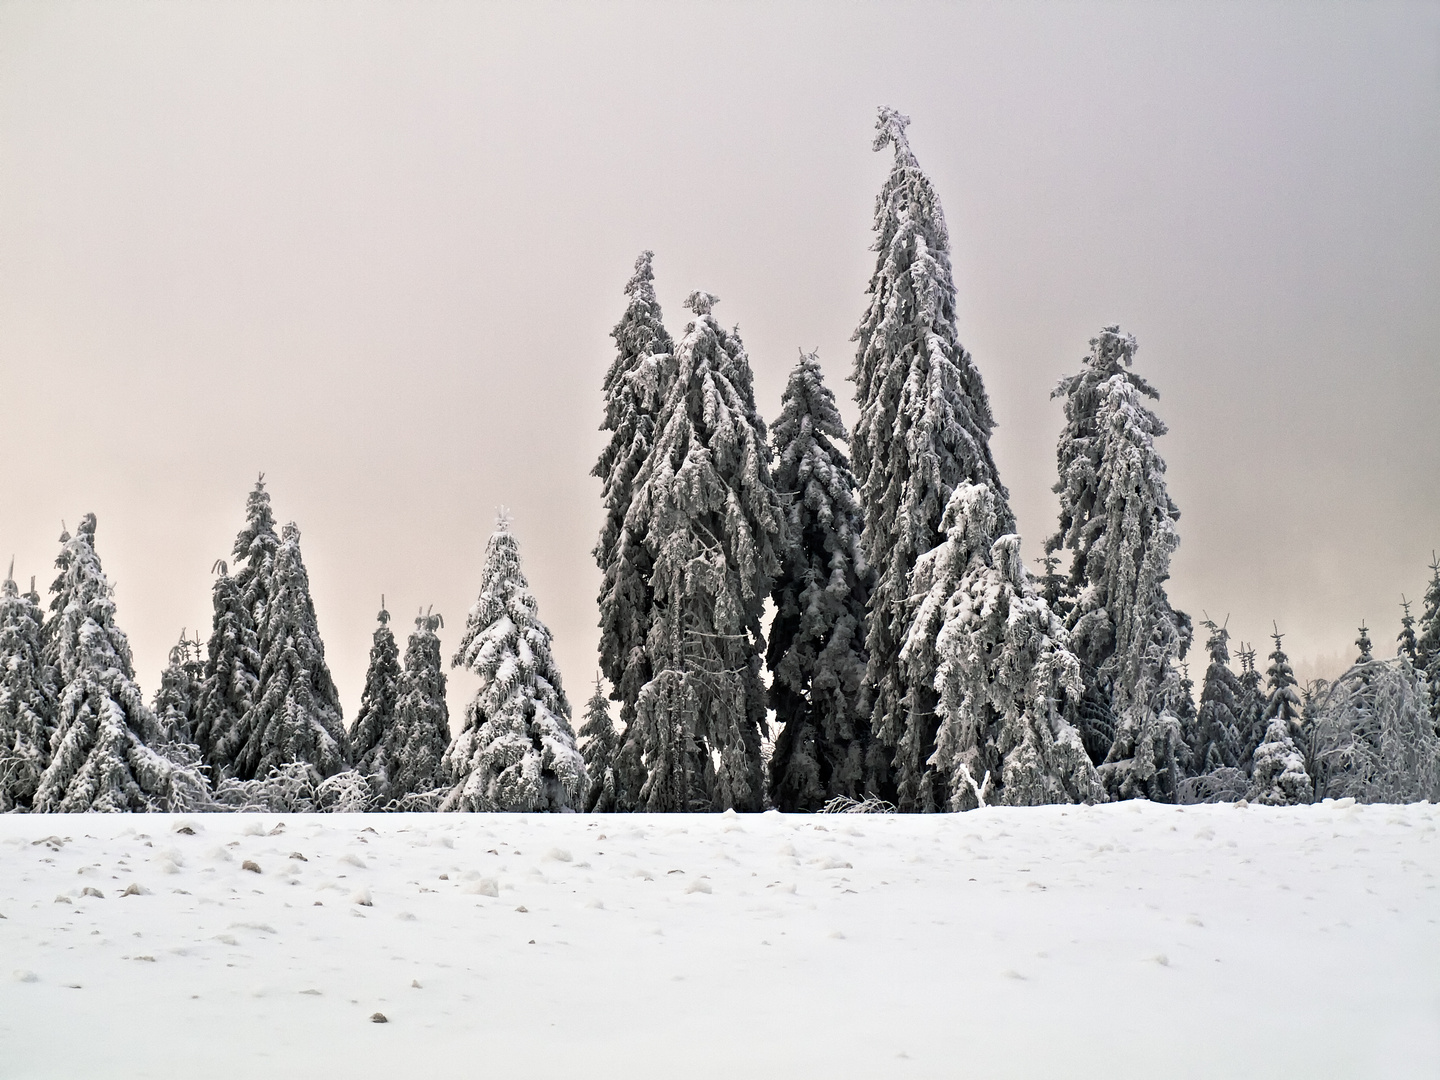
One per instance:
(27, 700)
(817, 638)
(1362, 643)
(1278, 775)
(421, 732)
(100, 759)
(1216, 736)
(1427, 644)
(1405, 642)
(634, 389)
(516, 749)
(1251, 717)
(598, 744)
(234, 655)
(1372, 739)
(370, 734)
(1118, 521)
(705, 502)
(294, 717)
(996, 653)
(924, 429)
(177, 702)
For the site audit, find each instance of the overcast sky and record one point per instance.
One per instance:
(375, 250)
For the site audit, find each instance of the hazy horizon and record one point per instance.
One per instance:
(375, 252)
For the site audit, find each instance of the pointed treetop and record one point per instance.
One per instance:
(641, 280)
(1363, 644)
(1218, 642)
(701, 303)
(890, 130)
(10, 574)
(502, 519)
(384, 615)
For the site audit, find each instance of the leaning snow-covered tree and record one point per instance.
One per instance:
(996, 653)
(100, 759)
(817, 638)
(1118, 521)
(705, 502)
(27, 700)
(177, 702)
(295, 715)
(924, 429)
(370, 734)
(516, 749)
(634, 389)
(598, 743)
(421, 731)
(1278, 773)
(1372, 739)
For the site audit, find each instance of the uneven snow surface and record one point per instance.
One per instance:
(1129, 940)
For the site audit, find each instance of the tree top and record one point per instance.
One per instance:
(701, 303)
(890, 129)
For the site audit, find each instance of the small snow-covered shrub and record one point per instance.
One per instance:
(870, 804)
(1223, 785)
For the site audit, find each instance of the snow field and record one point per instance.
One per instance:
(1122, 940)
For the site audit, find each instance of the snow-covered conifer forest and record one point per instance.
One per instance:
(843, 628)
(791, 617)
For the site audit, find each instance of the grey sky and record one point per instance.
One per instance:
(376, 250)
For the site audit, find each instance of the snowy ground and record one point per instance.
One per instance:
(1118, 941)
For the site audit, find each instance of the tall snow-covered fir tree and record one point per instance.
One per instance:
(177, 702)
(924, 429)
(27, 699)
(634, 389)
(1216, 741)
(996, 653)
(234, 655)
(1118, 521)
(706, 505)
(370, 733)
(294, 717)
(516, 749)
(1278, 775)
(421, 732)
(598, 743)
(100, 760)
(817, 638)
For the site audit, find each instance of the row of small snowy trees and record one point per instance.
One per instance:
(253, 721)
(912, 656)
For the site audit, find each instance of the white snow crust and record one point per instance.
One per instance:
(1126, 940)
